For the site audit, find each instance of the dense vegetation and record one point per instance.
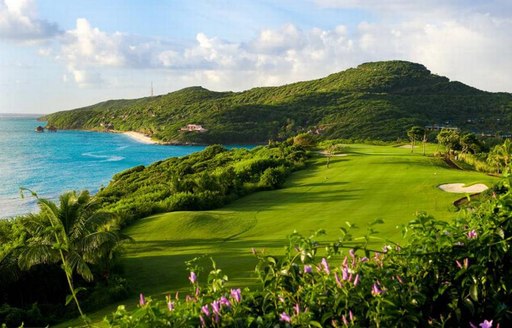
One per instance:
(200, 181)
(59, 251)
(454, 274)
(375, 100)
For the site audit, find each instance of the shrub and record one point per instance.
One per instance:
(273, 177)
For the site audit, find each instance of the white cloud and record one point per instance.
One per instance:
(18, 22)
(86, 45)
(86, 79)
(474, 48)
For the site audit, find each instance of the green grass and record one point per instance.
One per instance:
(371, 182)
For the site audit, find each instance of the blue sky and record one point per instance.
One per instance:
(61, 54)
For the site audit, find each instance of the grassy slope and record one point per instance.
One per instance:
(375, 100)
(371, 182)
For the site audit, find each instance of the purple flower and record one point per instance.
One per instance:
(296, 308)
(224, 301)
(337, 278)
(486, 324)
(205, 310)
(344, 319)
(472, 234)
(216, 307)
(364, 259)
(351, 315)
(376, 290)
(192, 277)
(459, 265)
(142, 300)
(308, 269)
(325, 266)
(344, 273)
(236, 294)
(285, 317)
(170, 304)
(203, 323)
(356, 280)
(351, 253)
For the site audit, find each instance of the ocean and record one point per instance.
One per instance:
(52, 163)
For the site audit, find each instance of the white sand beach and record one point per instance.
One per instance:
(460, 188)
(140, 137)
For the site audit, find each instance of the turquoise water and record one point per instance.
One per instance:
(51, 163)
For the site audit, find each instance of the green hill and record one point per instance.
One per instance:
(377, 100)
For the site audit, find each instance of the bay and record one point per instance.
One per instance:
(52, 163)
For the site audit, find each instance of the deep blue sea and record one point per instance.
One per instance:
(51, 163)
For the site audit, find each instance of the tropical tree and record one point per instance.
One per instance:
(75, 233)
(470, 143)
(501, 156)
(450, 139)
(415, 133)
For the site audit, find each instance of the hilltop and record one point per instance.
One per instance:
(377, 100)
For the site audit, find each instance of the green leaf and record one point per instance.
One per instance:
(314, 323)
(473, 292)
(469, 305)
(69, 298)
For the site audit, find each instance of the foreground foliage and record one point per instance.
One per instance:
(445, 274)
(74, 235)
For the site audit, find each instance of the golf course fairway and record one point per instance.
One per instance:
(371, 182)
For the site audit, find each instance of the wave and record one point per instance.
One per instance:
(114, 159)
(107, 158)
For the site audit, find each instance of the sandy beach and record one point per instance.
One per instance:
(140, 137)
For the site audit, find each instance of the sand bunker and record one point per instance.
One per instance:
(460, 188)
(407, 146)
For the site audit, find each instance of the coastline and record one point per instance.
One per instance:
(146, 139)
(140, 137)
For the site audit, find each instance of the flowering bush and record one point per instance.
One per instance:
(445, 274)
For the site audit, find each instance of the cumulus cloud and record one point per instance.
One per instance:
(19, 22)
(473, 48)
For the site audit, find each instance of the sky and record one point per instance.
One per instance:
(60, 54)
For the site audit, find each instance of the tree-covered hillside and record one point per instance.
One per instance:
(377, 100)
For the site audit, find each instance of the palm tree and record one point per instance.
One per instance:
(414, 133)
(74, 233)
